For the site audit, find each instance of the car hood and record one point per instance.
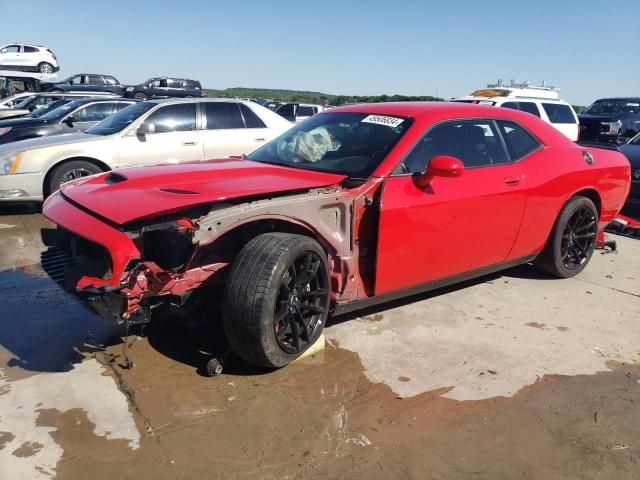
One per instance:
(130, 194)
(52, 141)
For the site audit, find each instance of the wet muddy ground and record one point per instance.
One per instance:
(510, 376)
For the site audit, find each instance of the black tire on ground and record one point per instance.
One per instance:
(141, 97)
(45, 67)
(268, 294)
(70, 171)
(572, 240)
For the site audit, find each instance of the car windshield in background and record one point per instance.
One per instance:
(606, 107)
(120, 120)
(48, 108)
(61, 111)
(352, 144)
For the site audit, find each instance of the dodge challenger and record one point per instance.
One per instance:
(357, 205)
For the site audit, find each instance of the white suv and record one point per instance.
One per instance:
(28, 58)
(543, 102)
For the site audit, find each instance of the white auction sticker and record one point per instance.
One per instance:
(392, 122)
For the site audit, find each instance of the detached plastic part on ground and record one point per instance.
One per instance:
(624, 225)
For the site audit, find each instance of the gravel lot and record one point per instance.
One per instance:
(510, 376)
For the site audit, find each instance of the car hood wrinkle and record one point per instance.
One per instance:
(134, 193)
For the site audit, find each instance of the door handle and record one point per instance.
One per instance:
(189, 144)
(261, 139)
(512, 180)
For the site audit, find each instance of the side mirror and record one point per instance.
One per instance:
(4, 50)
(69, 120)
(441, 166)
(145, 129)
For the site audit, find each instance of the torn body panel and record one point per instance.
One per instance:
(166, 261)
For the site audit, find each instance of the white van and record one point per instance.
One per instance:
(542, 101)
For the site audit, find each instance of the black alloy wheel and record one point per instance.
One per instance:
(578, 238)
(302, 300)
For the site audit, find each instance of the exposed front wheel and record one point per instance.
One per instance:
(45, 67)
(141, 97)
(572, 240)
(276, 298)
(70, 171)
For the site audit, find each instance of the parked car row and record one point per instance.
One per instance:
(144, 133)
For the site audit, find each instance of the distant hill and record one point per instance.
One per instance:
(309, 97)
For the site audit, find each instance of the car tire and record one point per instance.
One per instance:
(572, 240)
(141, 97)
(70, 171)
(45, 67)
(276, 298)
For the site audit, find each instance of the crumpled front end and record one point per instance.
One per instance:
(103, 265)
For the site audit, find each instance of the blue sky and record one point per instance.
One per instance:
(588, 48)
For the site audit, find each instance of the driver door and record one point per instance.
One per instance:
(10, 56)
(454, 225)
(176, 138)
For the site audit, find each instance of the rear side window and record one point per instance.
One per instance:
(223, 115)
(559, 113)
(250, 119)
(528, 107)
(95, 80)
(174, 118)
(519, 142)
(30, 50)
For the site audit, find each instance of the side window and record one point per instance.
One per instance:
(77, 80)
(174, 83)
(223, 115)
(30, 50)
(110, 81)
(94, 112)
(250, 118)
(120, 105)
(12, 49)
(95, 80)
(530, 107)
(163, 83)
(174, 118)
(304, 111)
(519, 142)
(559, 113)
(155, 84)
(475, 142)
(287, 111)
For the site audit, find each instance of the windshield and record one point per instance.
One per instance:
(24, 102)
(635, 140)
(60, 112)
(352, 144)
(118, 121)
(48, 108)
(606, 107)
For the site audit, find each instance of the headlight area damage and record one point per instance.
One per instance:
(178, 260)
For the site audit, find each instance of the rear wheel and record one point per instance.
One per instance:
(572, 240)
(45, 67)
(276, 298)
(70, 171)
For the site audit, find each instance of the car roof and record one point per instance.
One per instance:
(618, 99)
(435, 110)
(103, 99)
(198, 99)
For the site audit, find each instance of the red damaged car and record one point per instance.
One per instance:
(357, 205)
